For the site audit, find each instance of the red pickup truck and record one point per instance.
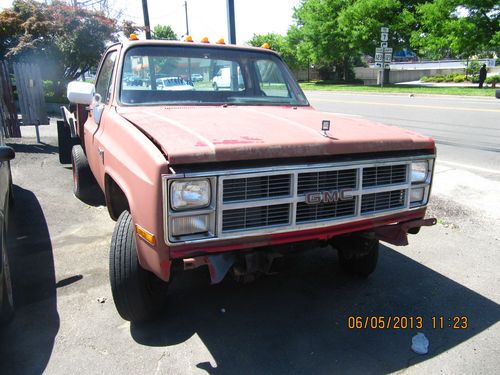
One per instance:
(229, 177)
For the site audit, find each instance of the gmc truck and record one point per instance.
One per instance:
(233, 177)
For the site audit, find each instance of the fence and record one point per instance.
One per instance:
(8, 113)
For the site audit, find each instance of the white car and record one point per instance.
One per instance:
(222, 79)
(173, 84)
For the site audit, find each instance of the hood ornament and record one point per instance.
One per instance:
(325, 127)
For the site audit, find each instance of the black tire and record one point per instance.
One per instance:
(64, 142)
(7, 307)
(138, 294)
(85, 186)
(358, 255)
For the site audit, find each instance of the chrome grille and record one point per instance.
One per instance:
(243, 189)
(323, 211)
(255, 217)
(384, 175)
(259, 202)
(329, 180)
(383, 201)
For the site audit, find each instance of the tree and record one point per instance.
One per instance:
(458, 28)
(164, 32)
(280, 44)
(130, 27)
(66, 41)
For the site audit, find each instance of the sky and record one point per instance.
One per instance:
(209, 17)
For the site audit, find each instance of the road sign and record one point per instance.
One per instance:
(378, 64)
(384, 29)
(379, 57)
(387, 57)
(384, 37)
(388, 50)
(383, 44)
(387, 66)
(379, 50)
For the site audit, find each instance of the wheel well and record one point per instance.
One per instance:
(116, 200)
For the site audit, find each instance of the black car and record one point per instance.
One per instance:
(6, 198)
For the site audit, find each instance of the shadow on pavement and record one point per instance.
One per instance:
(37, 148)
(26, 343)
(296, 321)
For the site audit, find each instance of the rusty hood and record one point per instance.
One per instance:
(202, 134)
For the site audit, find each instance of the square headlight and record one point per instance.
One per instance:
(419, 171)
(193, 194)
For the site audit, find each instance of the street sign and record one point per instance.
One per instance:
(378, 64)
(379, 57)
(379, 50)
(384, 29)
(387, 57)
(384, 37)
(387, 66)
(388, 50)
(383, 44)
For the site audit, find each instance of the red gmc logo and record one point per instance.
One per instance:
(329, 196)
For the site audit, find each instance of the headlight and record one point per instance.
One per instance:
(190, 194)
(419, 171)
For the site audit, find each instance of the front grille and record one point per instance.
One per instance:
(383, 201)
(384, 175)
(254, 202)
(255, 217)
(323, 211)
(329, 180)
(262, 187)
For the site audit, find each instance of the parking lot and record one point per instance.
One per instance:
(294, 321)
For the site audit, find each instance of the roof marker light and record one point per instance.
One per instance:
(266, 46)
(133, 37)
(204, 40)
(221, 41)
(188, 38)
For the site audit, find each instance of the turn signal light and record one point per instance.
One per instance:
(144, 234)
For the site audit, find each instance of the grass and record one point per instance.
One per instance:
(403, 89)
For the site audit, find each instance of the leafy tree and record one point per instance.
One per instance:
(130, 27)
(458, 28)
(164, 32)
(280, 44)
(66, 41)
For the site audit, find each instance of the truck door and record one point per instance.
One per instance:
(97, 115)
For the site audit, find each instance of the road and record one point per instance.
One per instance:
(466, 129)
(292, 322)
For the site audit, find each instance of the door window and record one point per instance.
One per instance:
(103, 84)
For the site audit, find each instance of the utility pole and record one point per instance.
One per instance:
(231, 27)
(147, 28)
(186, 10)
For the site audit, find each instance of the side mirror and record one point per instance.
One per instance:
(80, 92)
(6, 153)
(497, 93)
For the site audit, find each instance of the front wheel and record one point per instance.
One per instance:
(358, 255)
(85, 186)
(138, 294)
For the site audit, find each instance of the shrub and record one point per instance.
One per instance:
(492, 79)
(459, 78)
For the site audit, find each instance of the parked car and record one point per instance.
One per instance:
(173, 84)
(6, 200)
(229, 179)
(195, 77)
(222, 79)
(132, 80)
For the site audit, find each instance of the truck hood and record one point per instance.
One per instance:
(202, 134)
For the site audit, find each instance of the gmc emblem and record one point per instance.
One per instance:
(329, 196)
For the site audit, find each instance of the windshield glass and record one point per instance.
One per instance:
(179, 75)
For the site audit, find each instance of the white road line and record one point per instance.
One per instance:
(467, 166)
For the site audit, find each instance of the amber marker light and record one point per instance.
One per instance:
(266, 46)
(188, 38)
(133, 37)
(205, 40)
(221, 41)
(145, 235)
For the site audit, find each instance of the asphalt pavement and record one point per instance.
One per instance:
(295, 321)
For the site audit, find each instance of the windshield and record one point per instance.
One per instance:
(180, 75)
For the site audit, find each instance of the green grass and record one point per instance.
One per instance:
(403, 89)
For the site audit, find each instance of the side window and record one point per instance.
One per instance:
(271, 80)
(103, 83)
